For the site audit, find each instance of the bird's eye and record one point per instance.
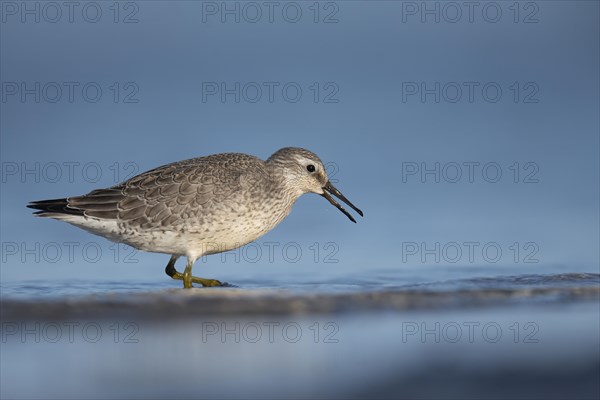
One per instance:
(310, 168)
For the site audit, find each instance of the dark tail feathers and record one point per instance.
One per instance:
(55, 206)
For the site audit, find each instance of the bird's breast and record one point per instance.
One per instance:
(237, 223)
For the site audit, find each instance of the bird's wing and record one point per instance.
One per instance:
(167, 196)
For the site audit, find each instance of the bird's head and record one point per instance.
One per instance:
(302, 171)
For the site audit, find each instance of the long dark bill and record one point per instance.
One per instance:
(330, 189)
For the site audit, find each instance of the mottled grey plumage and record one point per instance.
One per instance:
(199, 206)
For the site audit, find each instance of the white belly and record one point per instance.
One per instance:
(193, 241)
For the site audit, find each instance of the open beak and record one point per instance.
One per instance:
(329, 190)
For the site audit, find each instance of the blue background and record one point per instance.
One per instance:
(372, 49)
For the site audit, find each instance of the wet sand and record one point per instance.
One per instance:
(527, 336)
(227, 302)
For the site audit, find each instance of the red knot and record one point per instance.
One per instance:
(199, 206)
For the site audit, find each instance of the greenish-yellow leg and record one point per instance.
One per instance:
(187, 277)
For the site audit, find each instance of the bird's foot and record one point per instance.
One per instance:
(189, 280)
(211, 282)
(187, 283)
(187, 277)
(207, 282)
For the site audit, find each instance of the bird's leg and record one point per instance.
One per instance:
(187, 277)
(170, 269)
(187, 274)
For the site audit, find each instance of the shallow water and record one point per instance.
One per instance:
(99, 299)
(391, 334)
(332, 280)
